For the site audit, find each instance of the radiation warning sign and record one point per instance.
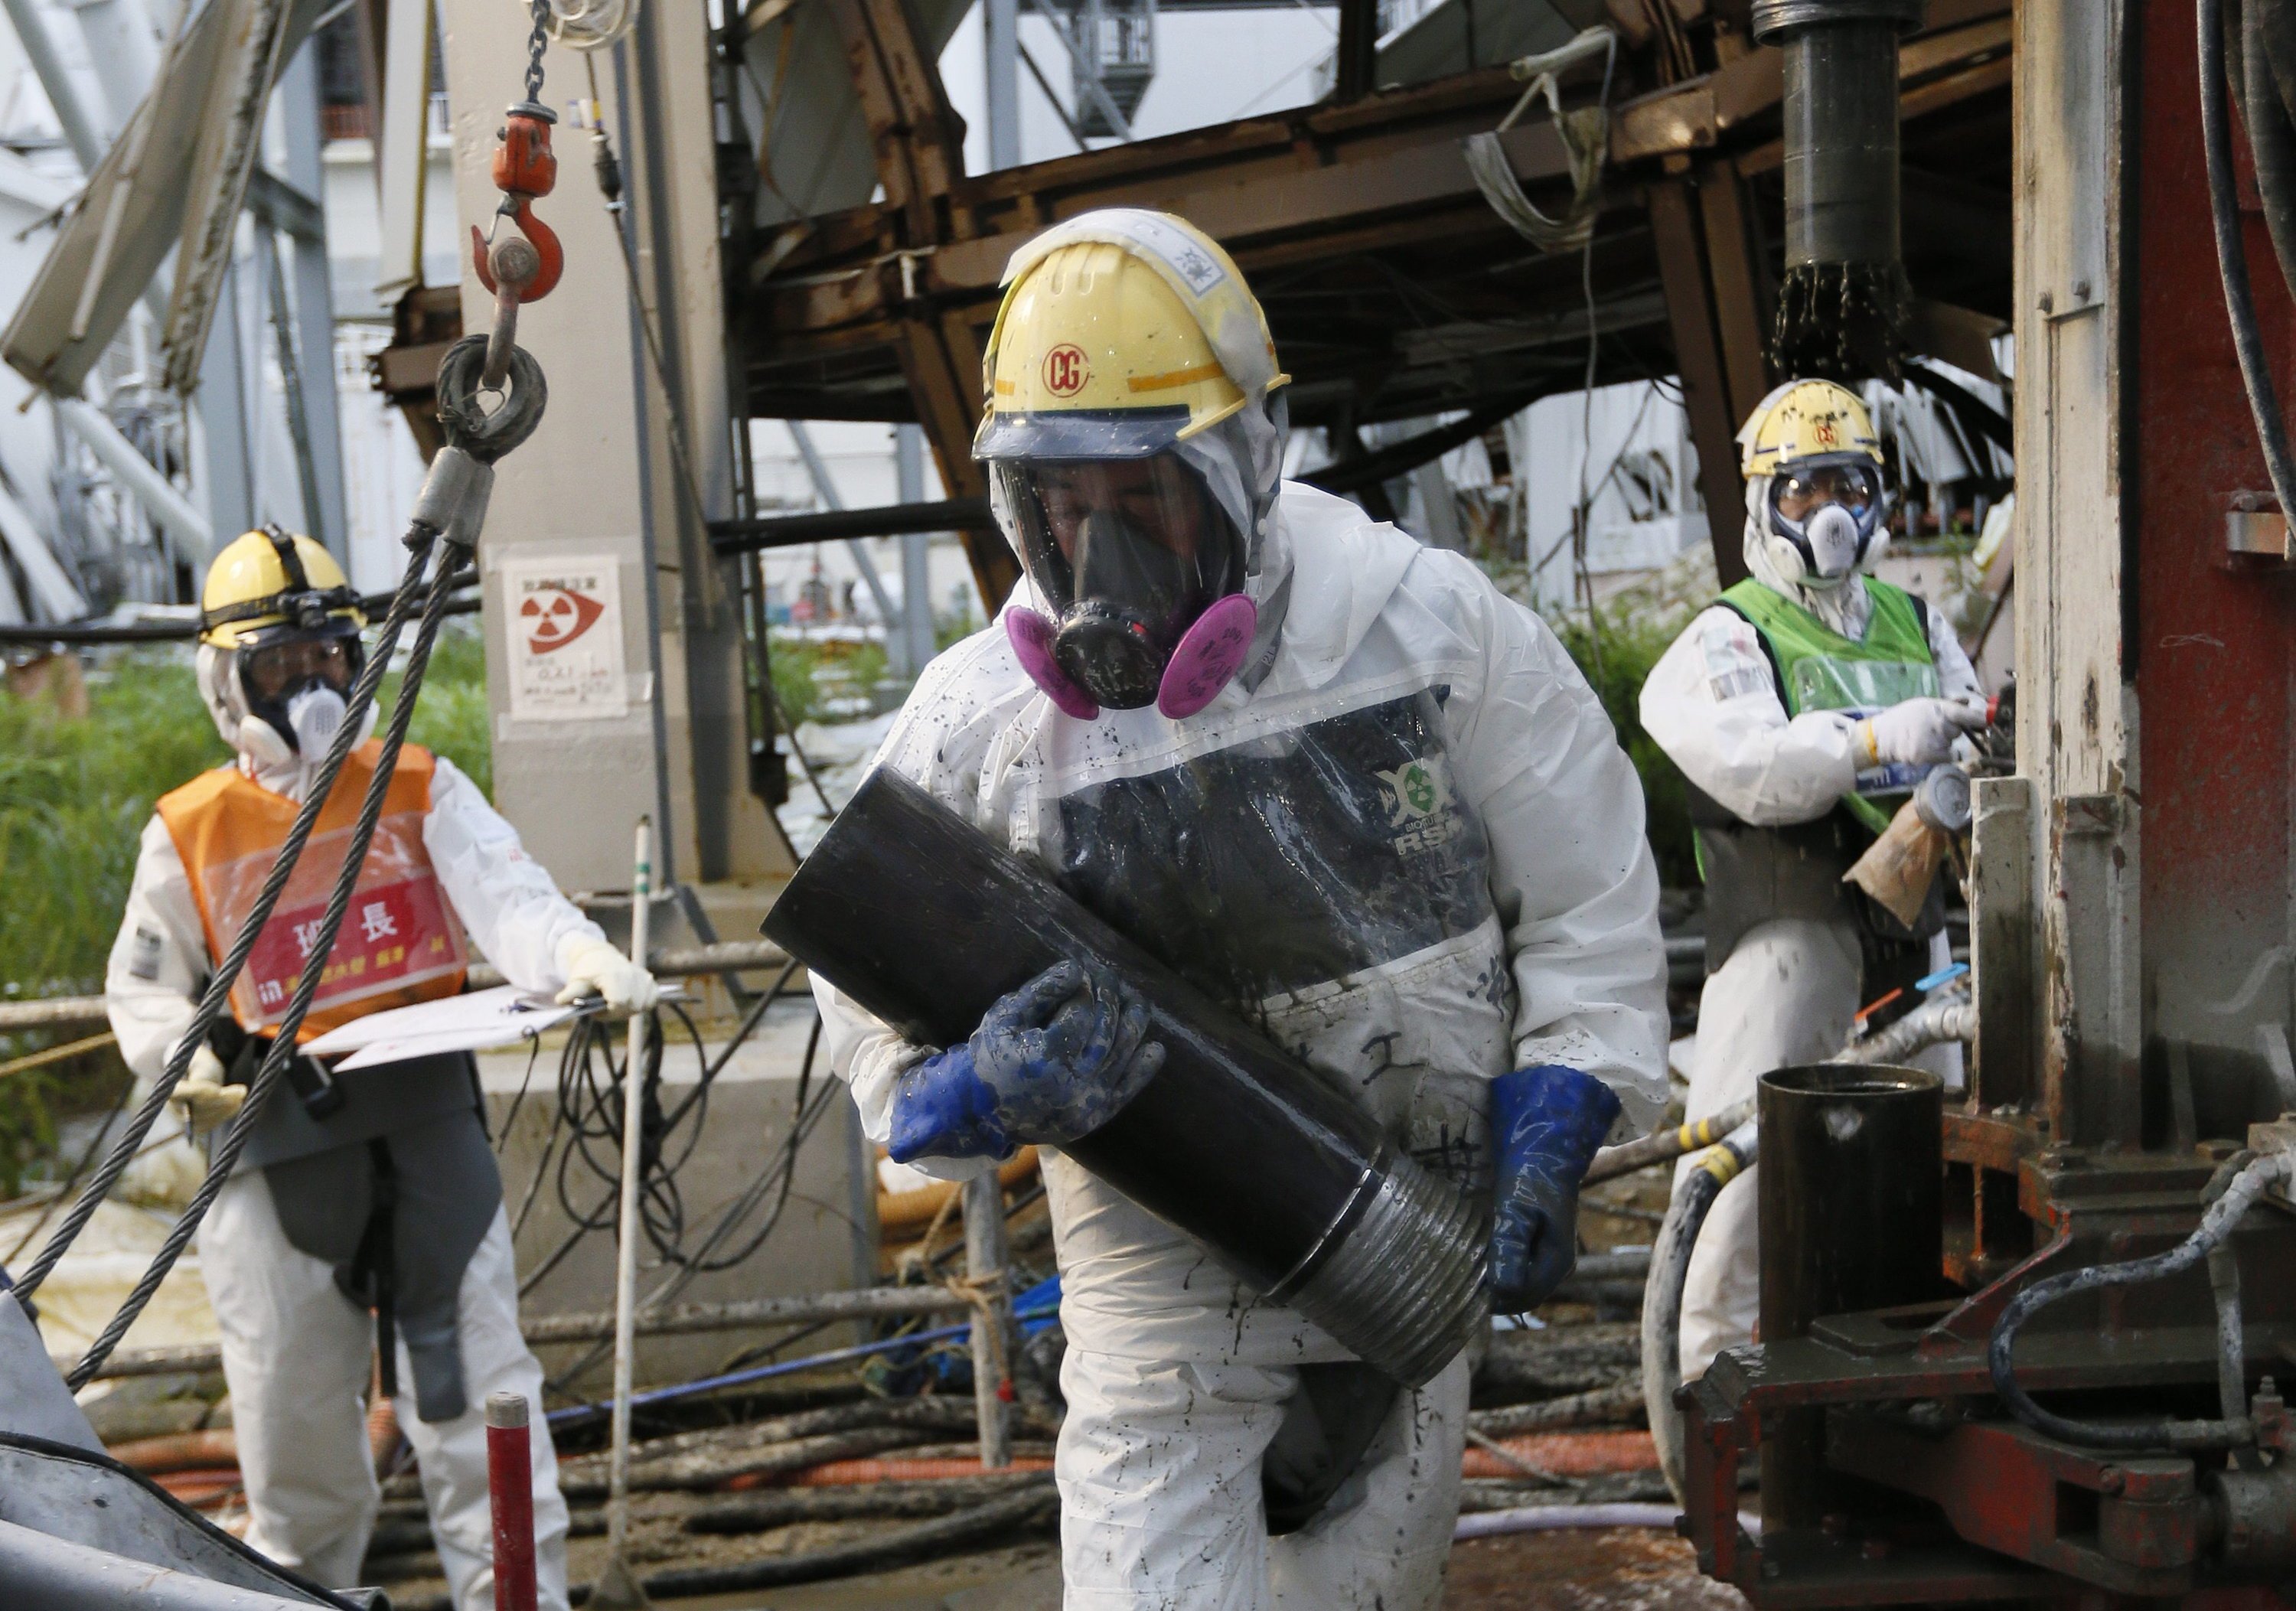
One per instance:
(565, 631)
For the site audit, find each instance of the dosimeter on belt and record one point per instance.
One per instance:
(1277, 1173)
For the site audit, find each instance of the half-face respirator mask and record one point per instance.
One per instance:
(1828, 512)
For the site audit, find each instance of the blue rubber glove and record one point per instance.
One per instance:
(1052, 1061)
(1546, 1123)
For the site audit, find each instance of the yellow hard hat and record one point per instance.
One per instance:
(267, 579)
(1108, 342)
(1806, 422)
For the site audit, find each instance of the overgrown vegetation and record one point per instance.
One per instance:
(1615, 646)
(825, 679)
(1617, 653)
(75, 793)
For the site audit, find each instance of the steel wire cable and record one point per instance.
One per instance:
(283, 1051)
(226, 974)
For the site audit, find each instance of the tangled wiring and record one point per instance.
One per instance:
(581, 1157)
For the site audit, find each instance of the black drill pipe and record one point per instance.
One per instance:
(925, 922)
(1853, 1218)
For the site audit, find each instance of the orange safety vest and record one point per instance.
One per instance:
(400, 943)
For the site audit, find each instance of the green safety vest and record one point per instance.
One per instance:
(1819, 669)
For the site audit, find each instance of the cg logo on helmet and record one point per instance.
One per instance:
(558, 616)
(1066, 371)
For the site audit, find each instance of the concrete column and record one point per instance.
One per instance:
(599, 490)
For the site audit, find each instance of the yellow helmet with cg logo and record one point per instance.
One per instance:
(1133, 433)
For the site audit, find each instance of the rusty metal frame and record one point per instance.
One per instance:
(882, 311)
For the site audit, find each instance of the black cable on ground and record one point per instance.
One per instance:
(2232, 261)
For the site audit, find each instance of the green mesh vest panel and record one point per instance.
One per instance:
(1823, 670)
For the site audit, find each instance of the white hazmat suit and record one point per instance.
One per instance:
(1529, 935)
(296, 1351)
(1790, 987)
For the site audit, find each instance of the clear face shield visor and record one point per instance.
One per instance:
(1140, 569)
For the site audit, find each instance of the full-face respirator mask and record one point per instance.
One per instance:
(1142, 574)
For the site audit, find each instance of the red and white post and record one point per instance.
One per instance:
(510, 1491)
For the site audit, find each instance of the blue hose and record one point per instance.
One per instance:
(710, 1384)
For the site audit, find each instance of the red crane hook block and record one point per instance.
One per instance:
(524, 169)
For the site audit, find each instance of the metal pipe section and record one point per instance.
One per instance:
(1842, 306)
(726, 957)
(1284, 1180)
(1841, 135)
(509, 1500)
(1853, 1218)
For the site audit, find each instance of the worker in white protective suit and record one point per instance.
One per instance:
(1802, 706)
(1340, 782)
(368, 1199)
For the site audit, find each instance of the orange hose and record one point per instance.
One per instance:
(202, 1489)
(913, 1211)
(178, 1452)
(1568, 1454)
(1564, 1453)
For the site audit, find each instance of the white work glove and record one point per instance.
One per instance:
(201, 1098)
(597, 968)
(1920, 732)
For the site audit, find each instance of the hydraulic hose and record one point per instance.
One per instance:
(2216, 1225)
(1677, 1239)
(1953, 1017)
(2271, 138)
(1665, 1145)
(2240, 298)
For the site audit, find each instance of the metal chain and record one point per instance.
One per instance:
(535, 45)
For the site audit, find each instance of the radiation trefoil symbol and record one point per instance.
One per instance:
(557, 616)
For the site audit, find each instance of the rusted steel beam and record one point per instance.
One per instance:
(941, 357)
(1736, 274)
(1698, 352)
(917, 137)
